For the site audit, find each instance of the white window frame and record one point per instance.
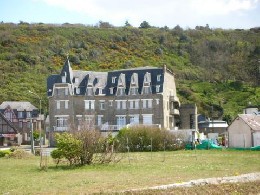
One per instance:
(111, 89)
(110, 102)
(159, 77)
(157, 88)
(77, 90)
(58, 104)
(63, 79)
(89, 91)
(76, 80)
(20, 114)
(113, 79)
(66, 91)
(66, 104)
(99, 119)
(147, 119)
(121, 121)
(102, 104)
(89, 104)
(134, 119)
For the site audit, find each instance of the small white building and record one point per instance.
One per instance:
(244, 131)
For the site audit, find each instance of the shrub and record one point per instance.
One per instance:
(4, 153)
(145, 138)
(57, 156)
(19, 154)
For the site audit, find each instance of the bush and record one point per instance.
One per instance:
(146, 138)
(57, 156)
(4, 153)
(19, 154)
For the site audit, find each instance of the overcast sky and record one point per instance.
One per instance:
(186, 13)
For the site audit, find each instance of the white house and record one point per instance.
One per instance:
(244, 131)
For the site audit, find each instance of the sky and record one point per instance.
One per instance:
(227, 14)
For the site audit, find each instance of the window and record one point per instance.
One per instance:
(77, 90)
(9, 115)
(113, 79)
(146, 90)
(157, 101)
(20, 124)
(29, 114)
(159, 77)
(100, 91)
(89, 120)
(58, 104)
(100, 119)
(89, 104)
(76, 80)
(121, 121)
(133, 91)
(89, 91)
(121, 104)
(120, 91)
(147, 119)
(111, 90)
(66, 104)
(61, 123)
(20, 114)
(79, 117)
(134, 104)
(134, 119)
(102, 105)
(63, 78)
(66, 91)
(110, 102)
(147, 103)
(157, 88)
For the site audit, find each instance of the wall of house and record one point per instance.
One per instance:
(239, 134)
(169, 89)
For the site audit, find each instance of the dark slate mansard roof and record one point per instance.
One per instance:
(84, 77)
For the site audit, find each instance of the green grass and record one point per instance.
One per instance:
(23, 176)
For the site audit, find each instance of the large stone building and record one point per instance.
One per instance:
(112, 100)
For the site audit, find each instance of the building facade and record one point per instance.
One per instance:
(112, 100)
(244, 131)
(23, 116)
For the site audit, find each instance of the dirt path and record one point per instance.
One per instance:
(217, 180)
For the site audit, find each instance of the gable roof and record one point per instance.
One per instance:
(252, 120)
(17, 105)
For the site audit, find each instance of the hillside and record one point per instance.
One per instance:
(215, 68)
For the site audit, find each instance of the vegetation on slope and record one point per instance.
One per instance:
(215, 68)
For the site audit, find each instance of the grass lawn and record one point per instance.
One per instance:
(23, 176)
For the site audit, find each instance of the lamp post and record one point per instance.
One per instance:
(40, 116)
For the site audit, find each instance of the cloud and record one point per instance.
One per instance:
(170, 12)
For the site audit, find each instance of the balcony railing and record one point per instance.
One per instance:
(174, 112)
(60, 128)
(175, 99)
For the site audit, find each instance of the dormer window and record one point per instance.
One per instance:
(63, 79)
(113, 79)
(146, 90)
(100, 91)
(121, 91)
(157, 88)
(111, 90)
(78, 90)
(89, 91)
(76, 80)
(159, 77)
